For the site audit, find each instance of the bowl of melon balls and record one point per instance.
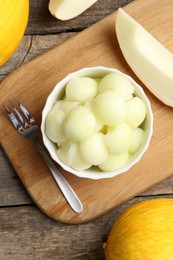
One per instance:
(97, 123)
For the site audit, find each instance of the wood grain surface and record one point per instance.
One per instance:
(32, 84)
(25, 232)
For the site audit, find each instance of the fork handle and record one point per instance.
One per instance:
(64, 186)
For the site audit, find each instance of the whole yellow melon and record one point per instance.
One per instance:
(13, 22)
(143, 232)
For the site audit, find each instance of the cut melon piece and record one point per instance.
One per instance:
(119, 140)
(81, 89)
(79, 124)
(114, 162)
(65, 9)
(69, 154)
(53, 124)
(94, 150)
(147, 57)
(137, 139)
(110, 108)
(136, 112)
(118, 83)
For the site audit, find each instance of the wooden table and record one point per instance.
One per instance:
(25, 231)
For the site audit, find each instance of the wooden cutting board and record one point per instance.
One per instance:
(33, 82)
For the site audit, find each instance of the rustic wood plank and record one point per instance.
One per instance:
(26, 233)
(12, 191)
(37, 237)
(31, 47)
(42, 22)
(162, 188)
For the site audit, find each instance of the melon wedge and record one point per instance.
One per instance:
(68, 9)
(148, 58)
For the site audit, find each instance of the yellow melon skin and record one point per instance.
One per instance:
(13, 22)
(143, 232)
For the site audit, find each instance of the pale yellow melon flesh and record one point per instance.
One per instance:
(68, 9)
(148, 58)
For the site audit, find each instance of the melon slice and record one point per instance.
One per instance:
(68, 9)
(148, 58)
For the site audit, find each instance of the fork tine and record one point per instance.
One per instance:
(25, 111)
(18, 113)
(12, 118)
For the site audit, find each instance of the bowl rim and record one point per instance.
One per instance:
(56, 94)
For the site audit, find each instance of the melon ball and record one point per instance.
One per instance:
(118, 83)
(68, 105)
(79, 124)
(81, 89)
(53, 125)
(68, 153)
(138, 135)
(94, 150)
(136, 112)
(119, 140)
(110, 108)
(114, 162)
(99, 124)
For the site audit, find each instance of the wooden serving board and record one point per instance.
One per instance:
(33, 82)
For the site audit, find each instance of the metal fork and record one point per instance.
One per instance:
(27, 127)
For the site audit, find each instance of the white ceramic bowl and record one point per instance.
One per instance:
(58, 92)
